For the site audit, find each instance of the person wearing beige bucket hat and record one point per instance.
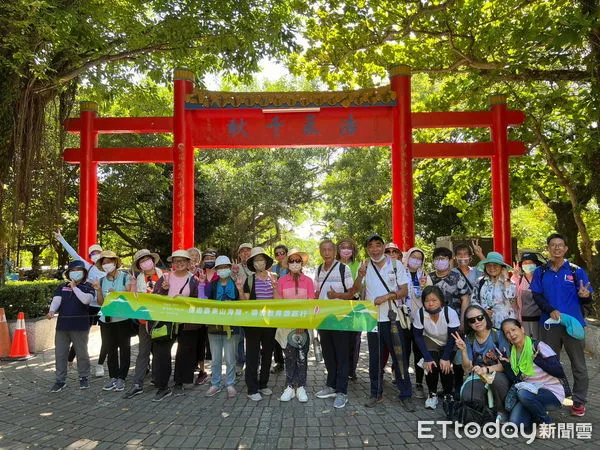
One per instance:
(145, 262)
(180, 282)
(496, 292)
(260, 285)
(295, 342)
(115, 331)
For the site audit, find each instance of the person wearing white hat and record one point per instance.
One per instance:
(179, 282)
(260, 285)
(223, 338)
(148, 276)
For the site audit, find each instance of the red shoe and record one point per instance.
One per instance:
(578, 409)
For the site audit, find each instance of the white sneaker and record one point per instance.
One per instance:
(288, 394)
(301, 394)
(431, 402)
(99, 372)
(255, 397)
(265, 391)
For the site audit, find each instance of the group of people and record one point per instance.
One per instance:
(502, 326)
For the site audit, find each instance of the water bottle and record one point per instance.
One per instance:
(317, 349)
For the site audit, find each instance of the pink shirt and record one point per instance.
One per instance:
(287, 288)
(176, 283)
(544, 379)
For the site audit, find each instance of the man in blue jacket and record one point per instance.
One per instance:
(560, 287)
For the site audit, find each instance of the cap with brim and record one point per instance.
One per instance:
(143, 253)
(254, 253)
(530, 257)
(179, 254)
(374, 237)
(94, 248)
(209, 252)
(245, 245)
(107, 254)
(297, 252)
(76, 264)
(493, 257)
(222, 261)
(391, 245)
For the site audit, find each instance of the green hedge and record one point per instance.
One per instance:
(31, 297)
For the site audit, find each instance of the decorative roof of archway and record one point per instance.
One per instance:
(380, 96)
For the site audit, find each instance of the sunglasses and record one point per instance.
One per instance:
(279, 253)
(478, 318)
(294, 261)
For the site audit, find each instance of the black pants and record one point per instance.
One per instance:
(117, 339)
(336, 353)
(354, 351)
(161, 363)
(203, 351)
(409, 337)
(259, 349)
(187, 348)
(277, 353)
(433, 377)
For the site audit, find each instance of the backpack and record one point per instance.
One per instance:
(342, 269)
(422, 315)
(468, 409)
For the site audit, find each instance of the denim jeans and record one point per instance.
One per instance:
(532, 407)
(223, 348)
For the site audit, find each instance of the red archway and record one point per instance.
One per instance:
(367, 117)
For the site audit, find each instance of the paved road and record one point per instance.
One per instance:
(31, 416)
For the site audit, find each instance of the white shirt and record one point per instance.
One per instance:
(437, 331)
(334, 280)
(374, 287)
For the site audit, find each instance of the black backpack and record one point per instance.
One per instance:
(342, 268)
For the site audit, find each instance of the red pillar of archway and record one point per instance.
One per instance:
(500, 178)
(88, 179)
(403, 222)
(183, 165)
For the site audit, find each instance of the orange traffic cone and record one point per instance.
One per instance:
(20, 348)
(4, 335)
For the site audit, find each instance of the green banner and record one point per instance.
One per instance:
(346, 315)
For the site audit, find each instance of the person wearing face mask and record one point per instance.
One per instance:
(528, 312)
(145, 262)
(93, 273)
(71, 302)
(347, 255)
(210, 274)
(385, 281)
(434, 328)
(177, 283)
(295, 342)
(414, 260)
(223, 338)
(115, 331)
(457, 295)
(496, 292)
(261, 285)
(463, 255)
